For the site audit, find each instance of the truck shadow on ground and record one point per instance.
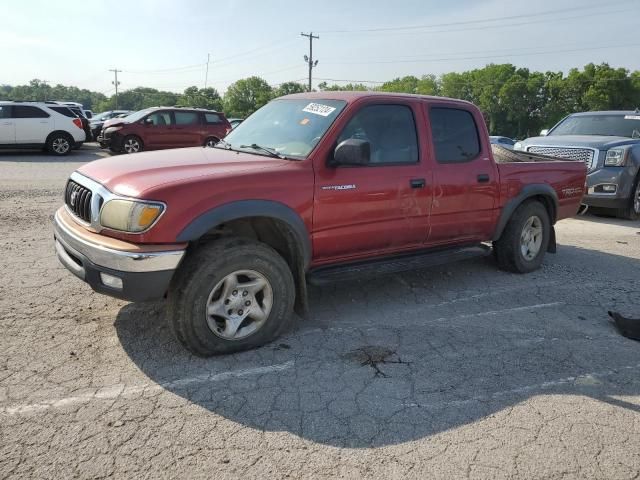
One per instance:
(380, 378)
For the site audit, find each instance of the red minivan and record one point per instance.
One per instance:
(165, 127)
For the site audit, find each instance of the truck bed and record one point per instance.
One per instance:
(519, 169)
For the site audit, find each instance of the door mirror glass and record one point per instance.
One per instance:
(148, 121)
(543, 133)
(352, 151)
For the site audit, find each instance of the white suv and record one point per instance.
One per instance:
(40, 124)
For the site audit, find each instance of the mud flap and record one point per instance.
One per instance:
(552, 247)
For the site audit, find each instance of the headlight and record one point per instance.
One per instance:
(517, 146)
(615, 157)
(112, 129)
(129, 216)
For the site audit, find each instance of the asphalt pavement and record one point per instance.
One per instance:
(460, 371)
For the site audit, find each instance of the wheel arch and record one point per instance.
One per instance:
(543, 193)
(58, 132)
(270, 222)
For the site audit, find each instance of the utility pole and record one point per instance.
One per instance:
(309, 59)
(206, 75)
(116, 83)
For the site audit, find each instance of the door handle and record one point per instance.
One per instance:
(417, 183)
(483, 178)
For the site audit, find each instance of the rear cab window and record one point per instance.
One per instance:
(455, 134)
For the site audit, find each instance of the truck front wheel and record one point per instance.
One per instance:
(230, 295)
(525, 239)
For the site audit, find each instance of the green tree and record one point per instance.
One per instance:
(201, 98)
(426, 85)
(349, 87)
(288, 88)
(246, 96)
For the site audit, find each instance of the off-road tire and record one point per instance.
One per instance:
(56, 139)
(207, 265)
(631, 212)
(507, 248)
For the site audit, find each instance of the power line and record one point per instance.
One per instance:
(309, 59)
(508, 55)
(485, 20)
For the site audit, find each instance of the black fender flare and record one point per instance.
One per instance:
(533, 190)
(249, 208)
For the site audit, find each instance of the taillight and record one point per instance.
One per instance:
(77, 122)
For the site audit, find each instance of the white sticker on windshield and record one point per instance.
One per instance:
(632, 117)
(319, 109)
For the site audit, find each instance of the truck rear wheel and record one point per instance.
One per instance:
(525, 239)
(230, 295)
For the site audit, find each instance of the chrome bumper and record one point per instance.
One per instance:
(67, 242)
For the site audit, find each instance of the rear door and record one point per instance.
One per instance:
(215, 125)
(187, 129)
(466, 178)
(33, 125)
(7, 126)
(158, 130)
(381, 207)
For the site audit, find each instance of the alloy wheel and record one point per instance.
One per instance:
(131, 145)
(531, 238)
(61, 145)
(239, 305)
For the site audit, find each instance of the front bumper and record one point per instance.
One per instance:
(622, 178)
(145, 273)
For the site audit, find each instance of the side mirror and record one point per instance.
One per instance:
(543, 133)
(352, 151)
(148, 121)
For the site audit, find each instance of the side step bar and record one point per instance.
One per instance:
(395, 264)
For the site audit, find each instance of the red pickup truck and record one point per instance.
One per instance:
(312, 188)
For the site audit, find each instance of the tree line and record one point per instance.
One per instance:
(516, 102)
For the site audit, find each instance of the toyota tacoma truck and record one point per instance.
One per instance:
(312, 188)
(609, 143)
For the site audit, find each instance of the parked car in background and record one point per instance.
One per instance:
(88, 114)
(505, 142)
(165, 127)
(234, 122)
(108, 123)
(608, 143)
(46, 125)
(313, 187)
(99, 118)
(78, 112)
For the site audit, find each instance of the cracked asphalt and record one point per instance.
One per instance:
(460, 371)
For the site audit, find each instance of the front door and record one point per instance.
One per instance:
(159, 130)
(380, 207)
(7, 126)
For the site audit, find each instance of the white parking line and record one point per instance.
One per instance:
(117, 391)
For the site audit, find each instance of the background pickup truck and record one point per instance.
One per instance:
(312, 188)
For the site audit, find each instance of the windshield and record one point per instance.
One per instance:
(134, 117)
(290, 127)
(621, 125)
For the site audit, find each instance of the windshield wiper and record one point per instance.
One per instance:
(271, 151)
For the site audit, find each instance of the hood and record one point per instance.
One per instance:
(112, 122)
(133, 175)
(599, 142)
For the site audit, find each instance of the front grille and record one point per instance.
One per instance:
(78, 199)
(585, 155)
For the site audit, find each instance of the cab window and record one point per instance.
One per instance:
(390, 131)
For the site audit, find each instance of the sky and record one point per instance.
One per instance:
(164, 43)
